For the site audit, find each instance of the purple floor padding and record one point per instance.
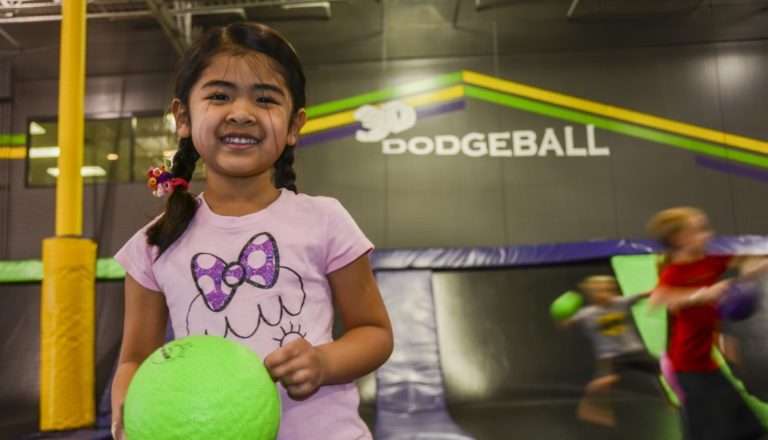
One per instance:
(410, 397)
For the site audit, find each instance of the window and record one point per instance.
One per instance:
(115, 150)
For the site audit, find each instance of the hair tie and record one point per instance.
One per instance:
(162, 182)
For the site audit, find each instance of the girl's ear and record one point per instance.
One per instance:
(298, 122)
(677, 239)
(181, 115)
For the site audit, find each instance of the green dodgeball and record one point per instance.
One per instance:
(202, 388)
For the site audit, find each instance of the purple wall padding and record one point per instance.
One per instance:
(484, 257)
(410, 396)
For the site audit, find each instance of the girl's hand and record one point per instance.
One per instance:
(752, 267)
(118, 431)
(298, 366)
(714, 292)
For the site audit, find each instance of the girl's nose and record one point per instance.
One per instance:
(240, 115)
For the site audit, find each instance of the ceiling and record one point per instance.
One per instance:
(146, 35)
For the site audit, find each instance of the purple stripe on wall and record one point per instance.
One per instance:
(732, 168)
(349, 130)
(443, 107)
(329, 135)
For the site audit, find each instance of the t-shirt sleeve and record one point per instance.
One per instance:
(137, 257)
(670, 274)
(665, 276)
(722, 260)
(580, 316)
(345, 240)
(629, 300)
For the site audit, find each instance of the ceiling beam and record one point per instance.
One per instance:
(168, 25)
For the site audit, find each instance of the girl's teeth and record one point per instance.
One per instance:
(240, 140)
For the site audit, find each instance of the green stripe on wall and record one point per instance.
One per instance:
(109, 269)
(617, 127)
(385, 94)
(31, 271)
(13, 139)
(21, 271)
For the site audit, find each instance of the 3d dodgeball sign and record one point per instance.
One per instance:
(395, 117)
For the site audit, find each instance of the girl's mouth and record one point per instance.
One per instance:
(239, 141)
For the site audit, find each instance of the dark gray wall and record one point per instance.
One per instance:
(424, 201)
(410, 200)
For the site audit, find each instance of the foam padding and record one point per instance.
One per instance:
(410, 399)
(638, 274)
(67, 334)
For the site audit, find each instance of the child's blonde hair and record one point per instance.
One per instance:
(665, 224)
(588, 284)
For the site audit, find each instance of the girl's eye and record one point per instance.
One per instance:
(265, 100)
(218, 97)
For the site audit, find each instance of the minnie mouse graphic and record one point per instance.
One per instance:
(254, 293)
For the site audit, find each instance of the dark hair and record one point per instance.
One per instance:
(239, 39)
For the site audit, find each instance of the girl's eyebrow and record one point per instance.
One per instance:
(218, 83)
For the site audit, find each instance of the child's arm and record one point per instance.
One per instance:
(634, 299)
(566, 324)
(675, 298)
(569, 323)
(365, 345)
(146, 317)
(751, 265)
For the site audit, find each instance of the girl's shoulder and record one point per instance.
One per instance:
(704, 260)
(301, 197)
(313, 204)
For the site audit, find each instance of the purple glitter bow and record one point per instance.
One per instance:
(227, 277)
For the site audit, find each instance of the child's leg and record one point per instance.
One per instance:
(740, 422)
(595, 406)
(714, 410)
(637, 360)
(699, 410)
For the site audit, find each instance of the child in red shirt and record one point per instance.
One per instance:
(689, 285)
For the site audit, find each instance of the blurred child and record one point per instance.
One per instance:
(618, 348)
(689, 287)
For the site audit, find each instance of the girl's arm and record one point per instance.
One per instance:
(146, 317)
(679, 298)
(639, 297)
(751, 266)
(365, 345)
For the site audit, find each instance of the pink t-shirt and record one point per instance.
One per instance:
(261, 280)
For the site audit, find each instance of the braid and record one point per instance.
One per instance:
(185, 159)
(181, 206)
(285, 176)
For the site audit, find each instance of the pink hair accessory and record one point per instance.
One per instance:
(161, 181)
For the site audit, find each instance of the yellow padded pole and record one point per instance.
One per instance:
(68, 341)
(67, 309)
(69, 185)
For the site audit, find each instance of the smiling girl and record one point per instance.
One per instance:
(251, 259)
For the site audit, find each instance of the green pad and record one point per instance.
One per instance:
(202, 388)
(638, 274)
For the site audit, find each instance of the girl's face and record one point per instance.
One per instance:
(695, 234)
(239, 116)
